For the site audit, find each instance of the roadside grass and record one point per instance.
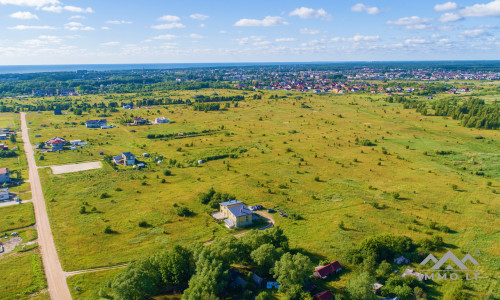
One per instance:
(306, 160)
(87, 285)
(16, 216)
(23, 276)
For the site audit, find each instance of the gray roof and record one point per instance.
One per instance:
(230, 202)
(240, 210)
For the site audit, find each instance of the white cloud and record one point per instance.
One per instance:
(357, 38)
(413, 41)
(360, 7)
(364, 38)
(25, 27)
(117, 22)
(309, 31)
(446, 6)
(410, 23)
(76, 9)
(169, 18)
(491, 9)
(266, 22)
(42, 40)
(53, 8)
(24, 15)
(105, 28)
(198, 17)
(309, 13)
(447, 27)
(168, 26)
(203, 25)
(164, 37)
(32, 3)
(473, 33)
(73, 26)
(262, 43)
(450, 17)
(245, 40)
(75, 17)
(196, 36)
(285, 40)
(112, 43)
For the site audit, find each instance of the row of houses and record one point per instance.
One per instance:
(5, 133)
(142, 121)
(50, 93)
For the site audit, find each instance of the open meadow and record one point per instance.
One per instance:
(343, 167)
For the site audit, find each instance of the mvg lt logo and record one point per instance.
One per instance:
(441, 274)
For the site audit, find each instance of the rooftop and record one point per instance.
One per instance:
(4, 170)
(240, 210)
(230, 202)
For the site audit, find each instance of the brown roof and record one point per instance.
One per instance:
(325, 295)
(328, 269)
(4, 170)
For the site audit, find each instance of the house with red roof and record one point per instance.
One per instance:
(325, 295)
(323, 272)
(56, 143)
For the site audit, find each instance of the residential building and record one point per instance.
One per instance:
(66, 92)
(140, 121)
(41, 93)
(237, 214)
(161, 120)
(323, 272)
(410, 272)
(56, 143)
(96, 123)
(4, 194)
(325, 295)
(126, 159)
(4, 175)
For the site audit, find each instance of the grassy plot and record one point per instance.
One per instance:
(87, 285)
(322, 159)
(16, 216)
(22, 276)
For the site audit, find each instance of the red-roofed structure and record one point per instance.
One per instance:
(325, 271)
(325, 295)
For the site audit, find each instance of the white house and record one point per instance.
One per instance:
(161, 120)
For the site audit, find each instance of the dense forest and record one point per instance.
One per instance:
(471, 112)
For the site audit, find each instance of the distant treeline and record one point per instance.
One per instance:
(201, 98)
(206, 106)
(472, 112)
(176, 135)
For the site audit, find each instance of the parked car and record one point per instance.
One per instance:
(270, 210)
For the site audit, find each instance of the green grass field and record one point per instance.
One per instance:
(16, 216)
(303, 154)
(88, 285)
(22, 277)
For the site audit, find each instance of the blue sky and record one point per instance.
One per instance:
(153, 31)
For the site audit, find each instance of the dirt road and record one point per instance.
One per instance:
(58, 288)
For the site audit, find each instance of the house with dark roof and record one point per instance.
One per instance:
(323, 272)
(237, 214)
(126, 159)
(325, 295)
(96, 123)
(140, 121)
